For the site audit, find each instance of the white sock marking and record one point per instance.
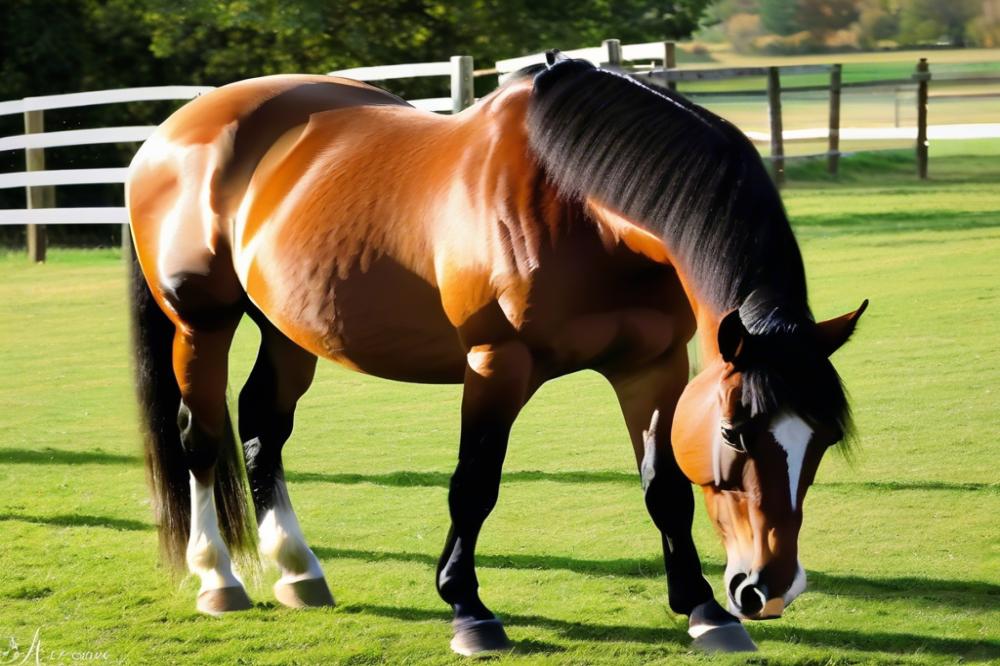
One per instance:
(207, 555)
(793, 435)
(281, 540)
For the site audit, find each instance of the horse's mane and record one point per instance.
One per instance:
(697, 181)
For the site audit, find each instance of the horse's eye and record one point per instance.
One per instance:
(734, 438)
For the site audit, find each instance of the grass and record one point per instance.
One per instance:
(880, 62)
(901, 548)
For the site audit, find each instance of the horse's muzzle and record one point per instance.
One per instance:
(750, 601)
(749, 598)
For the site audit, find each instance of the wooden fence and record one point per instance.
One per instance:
(657, 63)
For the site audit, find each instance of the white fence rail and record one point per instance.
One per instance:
(655, 59)
(459, 70)
(39, 182)
(610, 52)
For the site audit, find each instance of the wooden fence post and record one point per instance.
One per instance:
(833, 156)
(463, 93)
(670, 61)
(774, 116)
(38, 197)
(613, 51)
(922, 76)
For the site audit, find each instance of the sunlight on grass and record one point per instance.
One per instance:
(901, 547)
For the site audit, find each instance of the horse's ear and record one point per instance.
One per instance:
(553, 56)
(733, 337)
(833, 333)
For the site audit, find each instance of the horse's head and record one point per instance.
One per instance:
(751, 429)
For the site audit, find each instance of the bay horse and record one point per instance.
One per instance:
(573, 219)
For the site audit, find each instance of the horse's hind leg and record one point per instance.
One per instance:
(497, 384)
(281, 375)
(648, 397)
(200, 363)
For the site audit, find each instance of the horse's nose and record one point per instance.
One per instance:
(749, 599)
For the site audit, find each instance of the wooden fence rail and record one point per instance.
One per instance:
(632, 57)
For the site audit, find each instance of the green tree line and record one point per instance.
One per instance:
(61, 46)
(808, 26)
(49, 46)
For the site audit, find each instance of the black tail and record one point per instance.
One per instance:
(167, 471)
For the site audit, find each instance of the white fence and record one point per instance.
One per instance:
(459, 70)
(41, 209)
(655, 60)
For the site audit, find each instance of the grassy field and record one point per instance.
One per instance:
(860, 107)
(723, 55)
(902, 546)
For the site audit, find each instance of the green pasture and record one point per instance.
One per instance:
(886, 64)
(902, 546)
(859, 108)
(951, 101)
(857, 72)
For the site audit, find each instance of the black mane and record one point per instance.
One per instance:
(675, 168)
(697, 181)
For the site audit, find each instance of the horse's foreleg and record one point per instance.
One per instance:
(200, 363)
(648, 397)
(497, 384)
(281, 375)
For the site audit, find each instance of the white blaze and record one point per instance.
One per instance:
(793, 435)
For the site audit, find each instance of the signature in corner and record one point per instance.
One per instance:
(14, 655)
(17, 654)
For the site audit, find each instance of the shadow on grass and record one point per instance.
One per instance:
(892, 168)
(896, 221)
(403, 479)
(878, 641)
(441, 480)
(957, 593)
(79, 520)
(580, 631)
(970, 486)
(49, 456)
(648, 568)
(893, 643)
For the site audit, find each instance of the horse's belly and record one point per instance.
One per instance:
(383, 320)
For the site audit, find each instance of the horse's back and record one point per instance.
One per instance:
(187, 182)
(386, 238)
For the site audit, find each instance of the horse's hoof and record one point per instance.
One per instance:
(311, 592)
(727, 638)
(223, 600)
(479, 637)
(715, 630)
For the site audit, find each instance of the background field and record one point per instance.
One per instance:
(894, 106)
(902, 547)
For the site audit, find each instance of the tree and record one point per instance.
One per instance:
(824, 16)
(931, 20)
(60, 46)
(779, 16)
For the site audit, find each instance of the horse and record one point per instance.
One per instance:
(575, 218)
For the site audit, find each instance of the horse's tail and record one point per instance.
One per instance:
(167, 471)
